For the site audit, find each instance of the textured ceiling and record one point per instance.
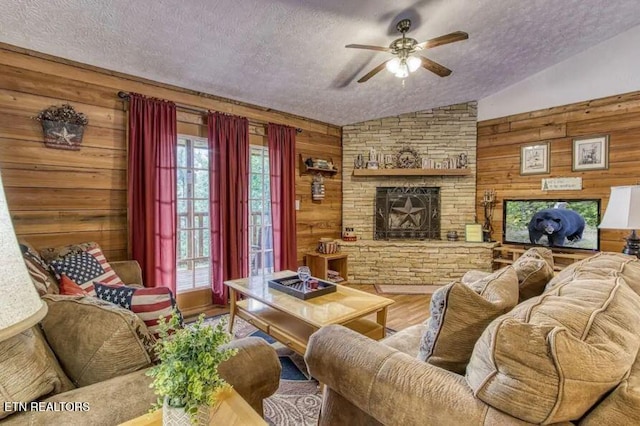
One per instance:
(289, 55)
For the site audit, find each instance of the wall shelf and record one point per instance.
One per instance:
(306, 169)
(411, 172)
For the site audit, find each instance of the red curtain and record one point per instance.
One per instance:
(152, 189)
(229, 192)
(282, 166)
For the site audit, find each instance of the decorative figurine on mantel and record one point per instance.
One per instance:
(373, 159)
(463, 160)
(408, 158)
(389, 163)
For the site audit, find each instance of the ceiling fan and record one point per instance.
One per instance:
(405, 48)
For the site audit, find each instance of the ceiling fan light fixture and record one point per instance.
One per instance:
(393, 65)
(403, 70)
(413, 63)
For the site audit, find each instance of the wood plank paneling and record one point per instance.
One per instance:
(62, 197)
(500, 141)
(318, 219)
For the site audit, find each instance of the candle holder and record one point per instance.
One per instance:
(489, 203)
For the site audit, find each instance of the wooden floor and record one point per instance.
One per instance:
(408, 309)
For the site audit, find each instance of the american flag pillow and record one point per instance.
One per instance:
(84, 268)
(149, 303)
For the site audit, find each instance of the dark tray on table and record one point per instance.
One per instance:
(293, 286)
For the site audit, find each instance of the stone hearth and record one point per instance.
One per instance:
(417, 262)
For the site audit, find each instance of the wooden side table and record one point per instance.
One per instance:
(320, 263)
(233, 411)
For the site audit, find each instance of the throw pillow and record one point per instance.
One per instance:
(553, 357)
(69, 288)
(148, 303)
(95, 340)
(84, 268)
(535, 270)
(459, 315)
(38, 270)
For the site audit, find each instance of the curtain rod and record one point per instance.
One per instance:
(125, 95)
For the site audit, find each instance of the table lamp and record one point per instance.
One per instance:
(623, 212)
(20, 306)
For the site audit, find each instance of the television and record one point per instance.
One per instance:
(566, 223)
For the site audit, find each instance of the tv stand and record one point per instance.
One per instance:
(506, 255)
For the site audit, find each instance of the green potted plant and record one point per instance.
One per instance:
(186, 379)
(63, 126)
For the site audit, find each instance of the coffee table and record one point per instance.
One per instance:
(232, 411)
(291, 321)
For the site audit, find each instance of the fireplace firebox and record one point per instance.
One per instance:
(407, 213)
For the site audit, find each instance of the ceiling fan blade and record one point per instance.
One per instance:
(366, 46)
(435, 67)
(445, 39)
(373, 72)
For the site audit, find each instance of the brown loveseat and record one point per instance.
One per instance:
(567, 356)
(87, 359)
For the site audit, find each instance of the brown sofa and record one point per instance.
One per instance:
(567, 356)
(87, 360)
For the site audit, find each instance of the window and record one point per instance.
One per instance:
(194, 227)
(260, 227)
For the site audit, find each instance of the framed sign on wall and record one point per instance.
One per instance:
(473, 233)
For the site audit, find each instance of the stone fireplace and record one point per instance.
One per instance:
(407, 213)
(401, 221)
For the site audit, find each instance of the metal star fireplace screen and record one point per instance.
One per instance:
(407, 213)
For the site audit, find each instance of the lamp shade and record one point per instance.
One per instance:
(20, 305)
(623, 210)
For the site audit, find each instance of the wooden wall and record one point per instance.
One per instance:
(59, 197)
(500, 140)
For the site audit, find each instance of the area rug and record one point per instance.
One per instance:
(297, 400)
(406, 289)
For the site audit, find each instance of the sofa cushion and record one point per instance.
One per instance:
(407, 340)
(553, 357)
(95, 340)
(148, 303)
(620, 407)
(28, 370)
(42, 279)
(84, 268)
(602, 264)
(534, 269)
(459, 315)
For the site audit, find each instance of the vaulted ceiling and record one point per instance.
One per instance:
(289, 55)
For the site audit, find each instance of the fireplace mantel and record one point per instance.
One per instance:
(411, 172)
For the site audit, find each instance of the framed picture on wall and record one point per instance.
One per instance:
(534, 159)
(590, 153)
